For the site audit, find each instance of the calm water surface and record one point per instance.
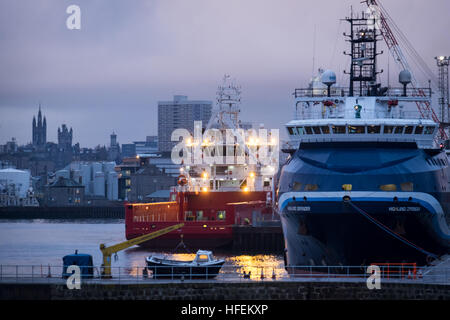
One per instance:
(43, 242)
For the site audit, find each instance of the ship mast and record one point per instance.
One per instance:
(363, 69)
(228, 105)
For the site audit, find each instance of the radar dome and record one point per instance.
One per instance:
(405, 77)
(329, 78)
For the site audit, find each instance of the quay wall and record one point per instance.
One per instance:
(279, 290)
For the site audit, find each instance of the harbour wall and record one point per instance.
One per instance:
(261, 239)
(279, 290)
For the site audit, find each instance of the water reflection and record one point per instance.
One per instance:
(44, 242)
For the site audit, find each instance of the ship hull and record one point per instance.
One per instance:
(355, 228)
(208, 218)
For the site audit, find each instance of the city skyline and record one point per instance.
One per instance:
(110, 75)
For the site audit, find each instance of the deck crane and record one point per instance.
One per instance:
(383, 19)
(108, 251)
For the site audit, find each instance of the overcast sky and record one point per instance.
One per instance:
(129, 54)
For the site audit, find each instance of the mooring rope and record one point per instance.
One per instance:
(391, 232)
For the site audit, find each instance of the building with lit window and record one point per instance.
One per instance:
(180, 113)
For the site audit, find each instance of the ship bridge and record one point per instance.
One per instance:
(382, 115)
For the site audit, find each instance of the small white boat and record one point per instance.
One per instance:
(204, 265)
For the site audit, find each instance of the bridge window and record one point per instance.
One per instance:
(419, 130)
(338, 129)
(291, 131)
(316, 130)
(325, 129)
(388, 129)
(358, 129)
(409, 129)
(429, 130)
(308, 130)
(300, 130)
(373, 129)
(399, 130)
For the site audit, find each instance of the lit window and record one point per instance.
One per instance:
(409, 129)
(188, 216)
(338, 129)
(316, 130)
(373, 129)
(419, 130)
(429, 130)
(399, 130)
(202, 257)
(301, 130)
(325, 129)
(308, 130)
(291, 131)
(358, 129)
(388, 129)
(221, 215)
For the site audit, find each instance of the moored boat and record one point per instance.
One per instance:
(366, 181)
(204, 265)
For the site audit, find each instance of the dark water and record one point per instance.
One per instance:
(44, 242)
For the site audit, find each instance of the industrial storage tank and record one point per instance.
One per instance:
(99, 184)
(19, 178)
(112, 186)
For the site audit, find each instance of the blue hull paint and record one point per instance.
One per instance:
(322, 229)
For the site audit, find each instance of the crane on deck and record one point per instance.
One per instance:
(384, 23)
(108, 251)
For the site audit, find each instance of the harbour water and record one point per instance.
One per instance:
(45, 242)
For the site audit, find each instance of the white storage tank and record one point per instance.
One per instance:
(108, 166)
(99, 184)
(20, 178)
(96, 167)
(112, 186)
(86, 178)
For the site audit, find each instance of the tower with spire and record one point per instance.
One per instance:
(39, 130)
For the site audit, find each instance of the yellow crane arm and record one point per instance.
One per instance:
(108, 251)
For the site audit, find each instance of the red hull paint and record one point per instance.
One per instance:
(209, 232)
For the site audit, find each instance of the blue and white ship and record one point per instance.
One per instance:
(365, 181)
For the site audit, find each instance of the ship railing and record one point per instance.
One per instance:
(229, 273)
(345, 91)
(307, 114)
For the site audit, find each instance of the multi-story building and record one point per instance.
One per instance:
(180, 113)
(128, 150)
(149, 146)
(139, 177)
(64, 192)
(147, 180)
